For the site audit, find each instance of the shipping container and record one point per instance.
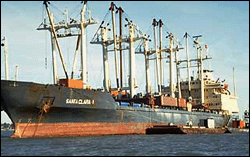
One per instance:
(182, 102)
(238, 124)
(71, 83)
(168, 101)
(210, 123)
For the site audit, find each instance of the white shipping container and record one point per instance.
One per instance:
(210, 123)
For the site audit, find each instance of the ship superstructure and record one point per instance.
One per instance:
(217, 97)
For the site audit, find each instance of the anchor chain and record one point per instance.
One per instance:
(43, 109)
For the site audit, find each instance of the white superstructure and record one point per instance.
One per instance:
(217, 96)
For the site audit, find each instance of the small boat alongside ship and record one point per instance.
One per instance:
(71, 107)
(185, 130)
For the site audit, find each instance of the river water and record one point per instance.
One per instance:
(234, 144)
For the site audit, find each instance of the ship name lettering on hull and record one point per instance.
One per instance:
(80, 101)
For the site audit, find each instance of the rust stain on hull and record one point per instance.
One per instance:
(27, 130)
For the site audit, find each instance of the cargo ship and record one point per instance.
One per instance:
(71, 107)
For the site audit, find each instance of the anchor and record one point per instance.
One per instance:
(45, 106)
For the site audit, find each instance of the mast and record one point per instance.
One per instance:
(148, 84)
(196, 42)
(75, 57)
(188, 64)
(157, 57)
(5, 44)
(83, 46)
(16, 72)
(115, 43)
(178, 72)
(200, 65)
(55, 76)
(206, 49)
(131, 59)
(105, 59)
(171, 66)
(234, 83)
(55, 37)
(120, 46)
(160, 52)
(54, 63)
(202, 77)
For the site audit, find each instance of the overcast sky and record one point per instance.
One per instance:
(224, 27)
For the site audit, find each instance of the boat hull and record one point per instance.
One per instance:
(71, 110)
(28, 130)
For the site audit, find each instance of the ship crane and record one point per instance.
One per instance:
(146, 52)
(5, 44)
(101, 38)
(171, 66)
(54, 29)
(158, 53)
